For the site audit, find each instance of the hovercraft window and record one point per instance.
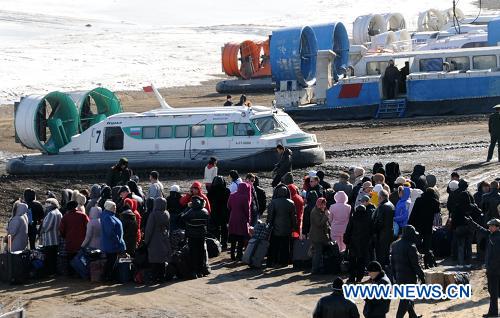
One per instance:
(165, 132)
(181, 131)
(243, 130)
(198, 131)
(220, 130)
(460, 63)
(148, 132)
(431, 65)
(484, 62)
(113, 138)
(267, 125)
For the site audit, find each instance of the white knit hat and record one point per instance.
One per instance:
(175, 188)
(377, 188)
(453, 185)
(312, 173)
(110, 206)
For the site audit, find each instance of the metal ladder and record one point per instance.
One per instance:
(391, 108)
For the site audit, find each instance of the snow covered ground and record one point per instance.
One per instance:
(48, 45)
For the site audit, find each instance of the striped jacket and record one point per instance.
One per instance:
(49, 231)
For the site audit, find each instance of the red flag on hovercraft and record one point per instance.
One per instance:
(148, 89)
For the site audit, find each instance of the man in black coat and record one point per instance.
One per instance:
(376, 308)
(383, 228)
(336, 305)
(492, 261)
(35, 215)
(283, 166)
(391, 78)
(494, 130)
(405, 266)
(282, 217)
(119, 174)
(422, 216)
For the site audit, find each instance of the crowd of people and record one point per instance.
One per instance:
(380, 221)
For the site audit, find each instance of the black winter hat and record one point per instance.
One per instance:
(374, 267)
(337, 283)
(71, 205)
(124, 189)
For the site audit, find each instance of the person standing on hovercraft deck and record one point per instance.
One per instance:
(229, 101)
(283, 166)
(391, 79)
(494, 130)
(119, 174)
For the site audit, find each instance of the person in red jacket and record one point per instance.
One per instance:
(299, 208)
(138, 218)
(73, 228)
(195, 191)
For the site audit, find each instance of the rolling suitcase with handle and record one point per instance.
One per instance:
(255, 253)
(301, 258)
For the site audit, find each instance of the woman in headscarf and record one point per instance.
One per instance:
(66, 195)
(239, 219)
(157, 240)
(17, 227)
(319, 233)
(80, 199)
(218, 195)
(93, 234)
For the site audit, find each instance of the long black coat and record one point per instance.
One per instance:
(489, 204)
(357, 235)
(424, 210)
(284, 165)
(218, 195)
(494, 124)
(404, 258)
(129, 223)
(383, 223)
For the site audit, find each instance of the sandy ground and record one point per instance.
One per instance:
(442, 144)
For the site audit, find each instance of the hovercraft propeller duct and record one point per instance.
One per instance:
(47, 123)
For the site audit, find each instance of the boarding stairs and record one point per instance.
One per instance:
(391, 108)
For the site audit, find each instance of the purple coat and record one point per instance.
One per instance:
(239, 210)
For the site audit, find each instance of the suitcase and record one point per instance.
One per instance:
(96, 269)
(441, 242)
(331, 258)
(300, 256)
(123, 269)
(80, 263)
(15, 267)
(255, 252)
(214, 248)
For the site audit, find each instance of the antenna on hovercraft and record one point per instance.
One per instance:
(160, 98)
